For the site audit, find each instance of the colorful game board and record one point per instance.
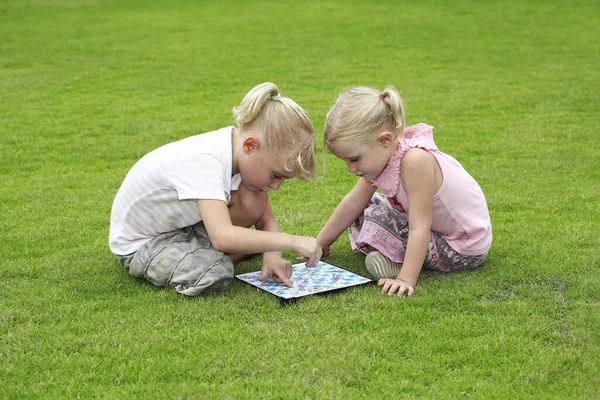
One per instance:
(319, 279)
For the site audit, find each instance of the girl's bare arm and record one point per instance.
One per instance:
(418, 168)
(350, 208)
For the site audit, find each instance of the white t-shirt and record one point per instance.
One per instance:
(159, 193)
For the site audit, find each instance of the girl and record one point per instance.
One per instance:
(182, 215)
(433, 214)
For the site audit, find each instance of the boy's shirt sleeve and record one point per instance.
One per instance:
(199, 178)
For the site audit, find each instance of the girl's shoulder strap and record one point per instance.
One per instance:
(419, 135)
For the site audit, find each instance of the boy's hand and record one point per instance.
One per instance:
(308, 248)
(277, 267)
(391, 286)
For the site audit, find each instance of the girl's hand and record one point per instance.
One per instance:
(392, 286)
(325, 245)
(326, 249)
(277, 267)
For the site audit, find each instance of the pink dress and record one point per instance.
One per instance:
(461, 229)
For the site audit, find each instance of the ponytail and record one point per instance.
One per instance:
(361, 112)
(253, 103)
(391, 97)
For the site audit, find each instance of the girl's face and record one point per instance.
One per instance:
(367, 158)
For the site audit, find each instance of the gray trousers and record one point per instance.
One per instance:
(184, 259)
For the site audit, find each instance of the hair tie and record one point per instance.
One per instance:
(276, 97)
(382, 96)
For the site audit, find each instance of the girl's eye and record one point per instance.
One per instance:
(354, 159)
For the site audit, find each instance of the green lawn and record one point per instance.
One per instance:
(87, 87)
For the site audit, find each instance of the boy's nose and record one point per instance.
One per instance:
(351, 168)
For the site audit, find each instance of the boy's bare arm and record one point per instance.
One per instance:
(228, 238)
(268, 223)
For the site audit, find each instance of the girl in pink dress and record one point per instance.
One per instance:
(430, 213)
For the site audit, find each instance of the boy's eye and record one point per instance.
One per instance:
(355, 159)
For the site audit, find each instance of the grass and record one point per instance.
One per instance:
(88, 87)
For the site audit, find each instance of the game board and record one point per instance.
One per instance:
(322, 278)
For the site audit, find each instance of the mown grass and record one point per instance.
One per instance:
(88, 87)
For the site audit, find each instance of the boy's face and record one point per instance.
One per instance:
(364, 159)
(260, 171)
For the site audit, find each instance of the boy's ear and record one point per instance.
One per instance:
(250, 144)
(385, 138)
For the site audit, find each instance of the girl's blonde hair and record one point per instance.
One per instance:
(287, 129)
(362, 112)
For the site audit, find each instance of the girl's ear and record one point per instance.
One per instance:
(250, 144)
(385, 138)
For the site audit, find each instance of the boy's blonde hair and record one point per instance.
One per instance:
(362, 112)
(287, 128)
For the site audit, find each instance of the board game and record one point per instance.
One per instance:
(321, 278)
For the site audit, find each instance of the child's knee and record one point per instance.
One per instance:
(246, 207)
(191, 273)
(185, 260)
(195, 281)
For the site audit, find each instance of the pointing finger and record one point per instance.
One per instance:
(288, 282)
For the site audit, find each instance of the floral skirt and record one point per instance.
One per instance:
(385, 229)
